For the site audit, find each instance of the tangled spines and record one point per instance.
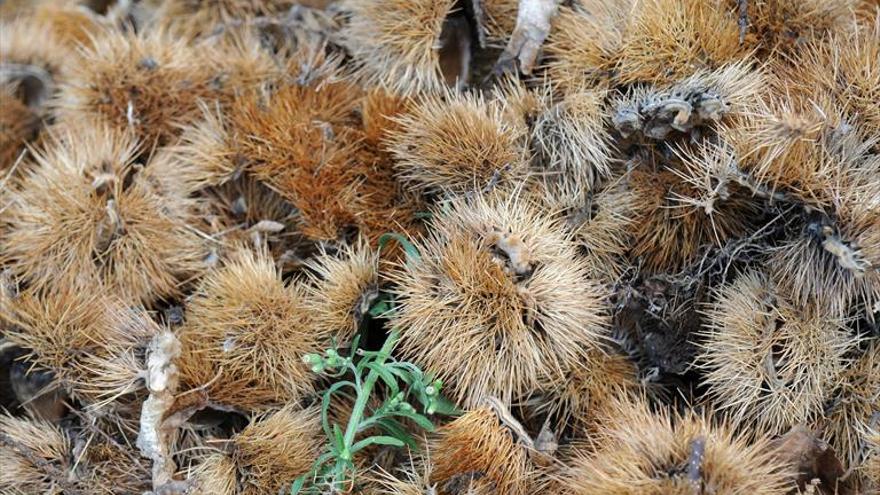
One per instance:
(417, 247)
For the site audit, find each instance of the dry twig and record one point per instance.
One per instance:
(532, 27)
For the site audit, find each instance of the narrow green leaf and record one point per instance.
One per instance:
(415, 373)
(409, 248)
(322, 460)
(386, 377)
(376, 440)
(418, 389)
(298, 484)
(420, 420)
(325, 404)
(446, 407)
(381, 306)
(361, 365)
(338, 438)
(400, 371)
(413, 369)
(396, 430)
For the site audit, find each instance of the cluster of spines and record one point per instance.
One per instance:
(769, 362)
(274, 448)
(645, 451)
(90, 214)
(271, 147)
(508, 272)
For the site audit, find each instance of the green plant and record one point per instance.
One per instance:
(360, 372)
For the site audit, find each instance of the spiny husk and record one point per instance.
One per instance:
(454, 143)
(243, 60)
(394, 42)
(191, 19)
(854, 410)
(206, 154)
(785, 144)
(31, 451)
(88, 215)
(648, 452)
(571, 141)
(499, 20)
(410, 479)
(42, 457)
(681, 211)
(584, 398)
(72, 24)
(477, 454)
(319, 145)
(838, 276)
(665, 39)
(272, 451)
(603, 223)
(846, 66)
(869, 470)
(244, 211)
(829, 256)
(310, 127)
(245, 334)
(149, 83)
(767, 361)
(583, 45)
(33, 62)
(651, 41)
(29, 42)
(19, 124)
(342, 289)
(495, 274)
(385, 203)
(92, 342)
(785, 25)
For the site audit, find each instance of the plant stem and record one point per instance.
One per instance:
(366, 390)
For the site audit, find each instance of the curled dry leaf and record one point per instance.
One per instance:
(156, 435)
(810, 458)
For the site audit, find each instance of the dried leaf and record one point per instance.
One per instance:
(811, 458)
